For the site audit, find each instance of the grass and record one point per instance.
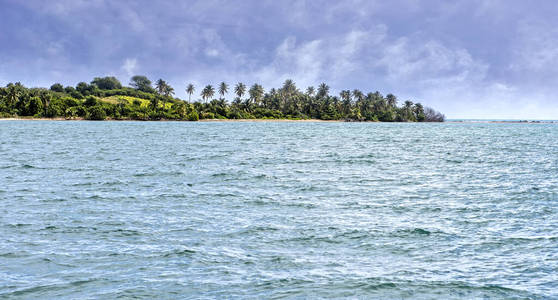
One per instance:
(130, 100)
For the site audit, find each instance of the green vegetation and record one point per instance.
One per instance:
(106, 98)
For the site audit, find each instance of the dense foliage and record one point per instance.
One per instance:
(106, 98)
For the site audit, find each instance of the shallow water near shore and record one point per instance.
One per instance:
(278, 209)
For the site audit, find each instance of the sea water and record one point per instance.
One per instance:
(172, 210)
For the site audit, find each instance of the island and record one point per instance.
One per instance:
(105, 98)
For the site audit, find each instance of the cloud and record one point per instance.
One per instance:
(537, 50)
(429, 62)
(489, 57)
(130, 66)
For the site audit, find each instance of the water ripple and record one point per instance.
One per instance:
(278, 210)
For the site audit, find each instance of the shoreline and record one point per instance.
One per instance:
(286, 121)
(168, 120)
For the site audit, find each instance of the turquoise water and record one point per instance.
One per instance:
(270, 210)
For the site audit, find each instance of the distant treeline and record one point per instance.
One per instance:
(106, 98)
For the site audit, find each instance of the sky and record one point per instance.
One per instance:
(491, 59)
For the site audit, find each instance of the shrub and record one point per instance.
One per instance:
(107, 83)
(208, 115)
(71, 113)
(35, 106)
(234, 114)
(57, 87)
(70, 102)
(96, 113)
(137, 115)
(193, 116)
(90, 101)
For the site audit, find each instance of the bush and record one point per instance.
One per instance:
(96, 113)
(71, 113)
(76, 94)
(193, 116)
(430, 115)
(208, 115)
(70, 102)
(81, 111)
(90, 101)
(54, 110)
(35, 106)
(267, 113)
(57, 87)
(107, 83)
(234, 114)
(137, 115)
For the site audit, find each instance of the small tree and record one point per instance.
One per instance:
(57, 87)
(96, 113)
(107, 83)
(141, 83)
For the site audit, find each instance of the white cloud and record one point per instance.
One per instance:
(429, 63)
(130, 66)
(211, 52)
(536, 49)
(320, 60)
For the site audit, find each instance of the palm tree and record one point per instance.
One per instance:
(240, 89)
(190, 89)
(223, 89)
(256, 94)
(323, 90)
(418, 110)
(391, 100)
(310, 91)
(165, 90)
(160, 85)
(357, 95)
(289, 88)
(408, 109)
(345, 95)
(207, 92)
(13, 94)
(169, 91)
(46, 98)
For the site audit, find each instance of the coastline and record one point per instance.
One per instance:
(287, 121)
(168, 120)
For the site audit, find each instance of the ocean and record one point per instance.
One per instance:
(266, 210)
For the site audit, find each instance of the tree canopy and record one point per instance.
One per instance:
(105, 98)
(107, 83)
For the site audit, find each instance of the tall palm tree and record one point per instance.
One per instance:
(357, 95)
(13, 94)
(346, 104)
(169, 91)
(207, 92)
(287, 92)
(408, 108)
(256, 94)
(323, 90)
(289, 88)
(240, 89)
(345, 95)
(391, 100)
(310, 91)
(190, 89)
(46, 98)
(165, 90)
(160, 85)
(223, 89)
